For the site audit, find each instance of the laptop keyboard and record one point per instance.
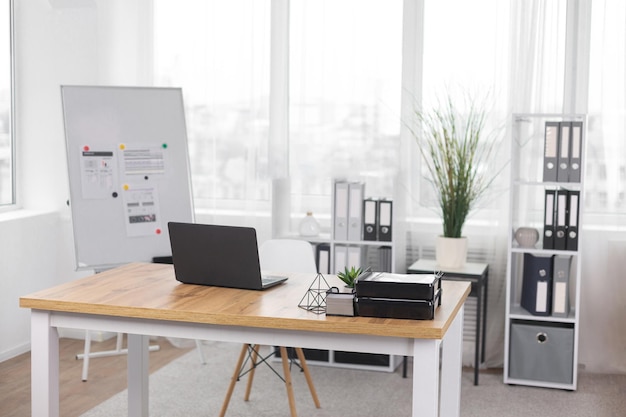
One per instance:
(265, 279)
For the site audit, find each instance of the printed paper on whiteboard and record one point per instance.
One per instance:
(143, 217)
(145, 160)
(98, 173)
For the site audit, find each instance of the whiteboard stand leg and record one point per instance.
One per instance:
(87, 351)
(88, 354)
(118, 343)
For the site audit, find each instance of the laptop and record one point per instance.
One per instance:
(221, 256)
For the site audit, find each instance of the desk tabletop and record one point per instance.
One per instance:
(150, 291)
(429, 265)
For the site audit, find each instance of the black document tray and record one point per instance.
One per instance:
(394, 308)
(402, 286)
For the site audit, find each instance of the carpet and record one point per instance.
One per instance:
(187, 388)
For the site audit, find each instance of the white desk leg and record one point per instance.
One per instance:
(138, 375)
(44, 365)
(426, 377)
(451, 367)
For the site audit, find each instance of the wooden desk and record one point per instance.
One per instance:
(145, 299)
(478, 275)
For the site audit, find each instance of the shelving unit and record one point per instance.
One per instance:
(365, 245)
(541, 348)
(354, 360)
(356, 239)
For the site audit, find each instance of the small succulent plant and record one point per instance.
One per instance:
(349, 275)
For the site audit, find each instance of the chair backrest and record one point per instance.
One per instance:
(287, 255)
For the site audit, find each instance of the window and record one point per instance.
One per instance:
(7, 178)
(471, 59)
(605, 175)
(345, 84)
(218, 52)
(345, 62)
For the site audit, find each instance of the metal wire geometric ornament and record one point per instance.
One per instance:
(315, 298)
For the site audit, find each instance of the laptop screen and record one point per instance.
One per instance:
(224, 256)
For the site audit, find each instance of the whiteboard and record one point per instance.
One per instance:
(128, 169)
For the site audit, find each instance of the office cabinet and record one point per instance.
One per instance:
(544, 258)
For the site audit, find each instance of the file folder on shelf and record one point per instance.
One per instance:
(340, 211)
(384, 220)
(560, 235)
(575, 152)
(548, 228)
(537, 285)
(560, 285)
(551, 151)
(341, 258)
(356, 192)
(384, 259)
(322, 252)
(562, 174)
(370, 215)
(572, 220)
(354, 257)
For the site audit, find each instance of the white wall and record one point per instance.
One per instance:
(54, 46)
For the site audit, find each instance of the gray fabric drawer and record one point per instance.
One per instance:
(542, 351)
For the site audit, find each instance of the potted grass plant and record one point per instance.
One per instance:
(457, 152)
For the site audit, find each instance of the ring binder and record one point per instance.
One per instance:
(562, 174)
(370, 218)
(548, 228)
(550, 152)
(572, 220)
(560, 236)
(384, 220)
(575, 152)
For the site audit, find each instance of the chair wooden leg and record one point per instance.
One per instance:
(307, 375)
(288, 384)
(233, 381)
(255, 350)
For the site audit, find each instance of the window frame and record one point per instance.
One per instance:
(13, 204)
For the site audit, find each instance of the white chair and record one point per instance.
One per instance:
(289, 256)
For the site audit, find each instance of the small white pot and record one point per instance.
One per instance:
(451, 252)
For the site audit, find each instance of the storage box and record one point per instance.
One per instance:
(422, 287)
(339, 303)
(541, 351)
(395, 308)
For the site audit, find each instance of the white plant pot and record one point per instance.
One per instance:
(451, 252)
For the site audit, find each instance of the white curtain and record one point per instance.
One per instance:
(473, 58)
(219, 53)
(603, 292)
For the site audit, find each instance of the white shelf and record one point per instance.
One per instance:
(363, 243)
(328, 238)
(517, 312)
(540, 384)
(527, 209)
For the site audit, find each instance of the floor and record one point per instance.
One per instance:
(76, 396)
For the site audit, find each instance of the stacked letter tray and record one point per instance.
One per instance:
(399, 296)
